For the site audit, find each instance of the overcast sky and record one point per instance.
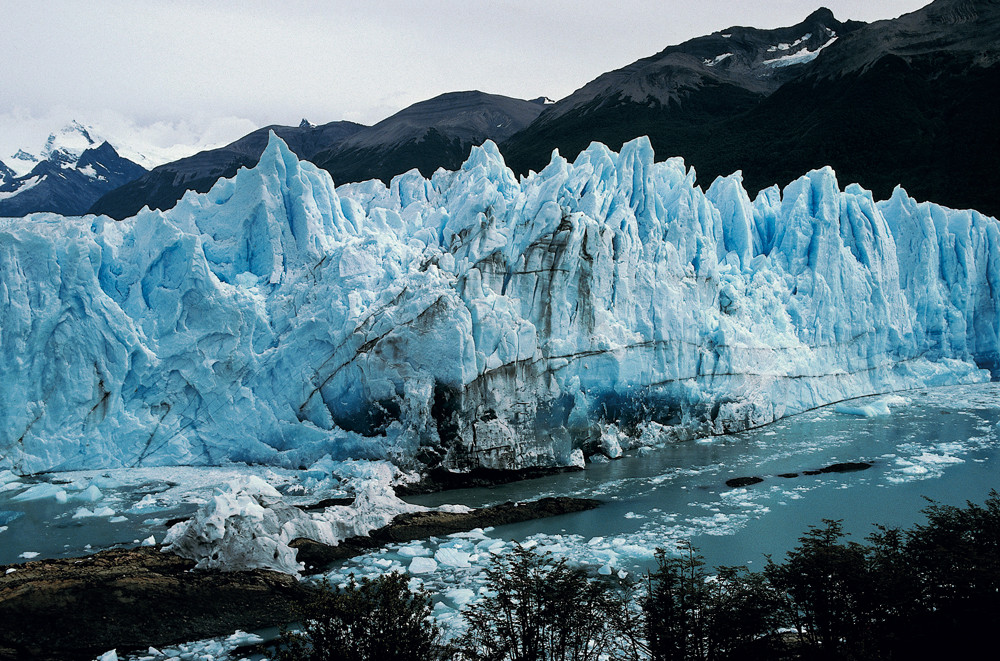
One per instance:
(176, 71)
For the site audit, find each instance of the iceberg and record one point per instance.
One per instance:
(474, 318)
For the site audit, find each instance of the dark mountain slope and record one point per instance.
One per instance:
(683, 88)
(163, 186)
(62, 186)
(912, 100)
(929, 125)
(428, 135)
(6, 174)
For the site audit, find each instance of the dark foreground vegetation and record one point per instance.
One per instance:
(929, 591)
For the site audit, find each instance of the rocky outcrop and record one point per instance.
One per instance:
(77, 608)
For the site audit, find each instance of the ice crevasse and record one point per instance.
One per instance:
(475, 319)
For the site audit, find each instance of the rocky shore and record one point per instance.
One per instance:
(77, 608)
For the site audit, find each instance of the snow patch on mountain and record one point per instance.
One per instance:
(23, 136)
(719, 58)
(474, 319)
(800, 56)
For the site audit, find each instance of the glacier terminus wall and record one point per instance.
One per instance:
(474, 319)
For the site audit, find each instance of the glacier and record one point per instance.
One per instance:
(474, 319)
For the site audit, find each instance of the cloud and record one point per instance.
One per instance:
(279, 61)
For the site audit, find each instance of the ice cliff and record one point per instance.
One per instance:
(473, 319)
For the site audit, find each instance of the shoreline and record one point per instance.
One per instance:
(77, 608)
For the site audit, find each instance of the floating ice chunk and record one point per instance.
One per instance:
(149, 541)
(605, 570)
(460, 596)
(413, 551)
(867, 410)
(870, 408)
(423, 565)
(111, 655)
(147, 502)
(43, 492)
(241, 638)
(118, 519)
(491, 546)
(474, 534)
(28, 555)
(107, 482)
(452, 557)
(89, 495)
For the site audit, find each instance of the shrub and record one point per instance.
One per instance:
(540, 610)
(376, 619)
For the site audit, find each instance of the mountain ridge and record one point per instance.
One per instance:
(429, 134)
(882, 103)
(164, 185)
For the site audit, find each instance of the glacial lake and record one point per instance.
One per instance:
(935, 443)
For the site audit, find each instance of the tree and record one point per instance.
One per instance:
(541, 610)
(825, 580)
(675, 608)
(955, 557)
(744, 615)
(376, 619)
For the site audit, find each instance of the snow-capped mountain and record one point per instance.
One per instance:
(749, 59)
(61, 147)
(72, 170)
(703, 79)
(910, 100)
(475, 319)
